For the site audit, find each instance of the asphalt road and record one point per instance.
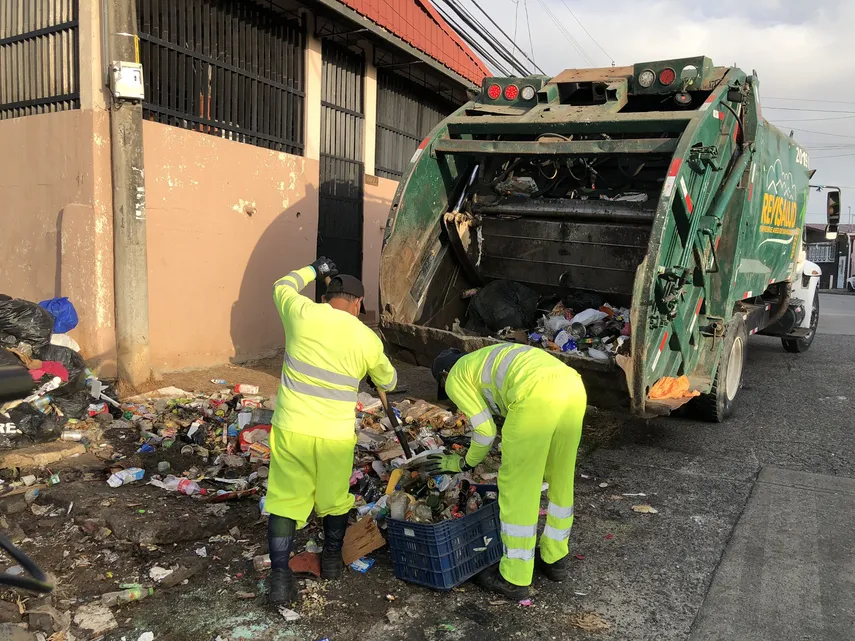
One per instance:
(837, 314)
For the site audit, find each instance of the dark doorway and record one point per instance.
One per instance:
(340, 197)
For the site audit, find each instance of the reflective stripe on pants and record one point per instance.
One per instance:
(539, 441)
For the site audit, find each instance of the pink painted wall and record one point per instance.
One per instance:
(225, 221)
(377, 201)
(57, 220)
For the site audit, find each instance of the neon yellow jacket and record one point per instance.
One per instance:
(327, 353)
(489, 381)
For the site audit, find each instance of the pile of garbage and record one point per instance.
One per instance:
(386, 484)
(46, 391)
(582, 323)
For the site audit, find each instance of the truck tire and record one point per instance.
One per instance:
(799, 345)
(716, 406)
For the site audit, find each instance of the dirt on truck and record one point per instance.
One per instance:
(654, 194)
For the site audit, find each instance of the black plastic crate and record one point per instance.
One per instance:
(444, 555)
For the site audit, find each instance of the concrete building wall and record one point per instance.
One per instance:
(378, 199)
(225, 221)
(58, 240)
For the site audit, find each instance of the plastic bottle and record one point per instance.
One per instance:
(261, 562)
(184, 486)
(42, 404)
(398, 503)
(125, 596)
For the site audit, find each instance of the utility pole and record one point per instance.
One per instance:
(129, 213)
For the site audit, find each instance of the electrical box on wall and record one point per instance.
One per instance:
(126, 80)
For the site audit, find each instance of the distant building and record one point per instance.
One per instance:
(835, 257)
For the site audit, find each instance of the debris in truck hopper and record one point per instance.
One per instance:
(668, 387)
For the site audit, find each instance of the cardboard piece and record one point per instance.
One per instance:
(361, 538)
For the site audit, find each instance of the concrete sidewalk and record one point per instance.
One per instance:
(788, 572)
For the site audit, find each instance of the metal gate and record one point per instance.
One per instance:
(341, 170)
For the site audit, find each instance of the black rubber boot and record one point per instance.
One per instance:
(558, 571)
(492, 581)
(280, 541)
(331, 561)
(283, 590)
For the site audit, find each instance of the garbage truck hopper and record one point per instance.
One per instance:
(656, 191)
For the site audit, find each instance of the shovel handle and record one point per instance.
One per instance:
(393, 419)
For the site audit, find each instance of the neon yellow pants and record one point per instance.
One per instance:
(306, 472)
(540, 439)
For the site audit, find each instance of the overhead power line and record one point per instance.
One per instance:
(564, 2)
(567, 35)
(838, 102)
(817, 119)
(828, 111)
(506, 35)
(821, 133)
(528, 23)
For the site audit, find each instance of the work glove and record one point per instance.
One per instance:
(445, 464)
(324, 267)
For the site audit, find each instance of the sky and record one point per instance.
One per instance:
(803, 53)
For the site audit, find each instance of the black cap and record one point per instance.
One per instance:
(346, 284)
(442, 364)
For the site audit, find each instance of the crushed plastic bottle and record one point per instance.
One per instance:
(398, 503)
(181, 485)
(135, 593)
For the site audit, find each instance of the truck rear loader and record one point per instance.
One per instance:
(659, 186)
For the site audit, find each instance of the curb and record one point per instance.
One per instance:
(836, 292)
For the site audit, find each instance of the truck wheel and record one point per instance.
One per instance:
(718, 404)
(799, 345)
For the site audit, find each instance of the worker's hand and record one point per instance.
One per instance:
(324, 267)
(444, 464)
(370, 382)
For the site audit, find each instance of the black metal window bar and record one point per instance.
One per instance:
(39, 57)
(228, 68)
(406, 113)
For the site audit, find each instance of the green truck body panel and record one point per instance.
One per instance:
(723, 222)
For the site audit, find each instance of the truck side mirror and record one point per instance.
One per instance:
(833, 202)
(833, 211)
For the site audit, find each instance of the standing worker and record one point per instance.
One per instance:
(328, 350)
(544, 402)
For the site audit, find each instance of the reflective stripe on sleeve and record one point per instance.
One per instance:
(319, 392)
(390, 386)
(559, 512)
(555, 534)
(300, 282)
(518, 530)
(481, 417)
(488, 396)
(519, 553)
(483, 439)
(318, 372)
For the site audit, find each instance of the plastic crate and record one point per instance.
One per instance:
(444, 555)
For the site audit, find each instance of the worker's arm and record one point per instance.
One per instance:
(286, 291)
(470, 401)
(380, 368)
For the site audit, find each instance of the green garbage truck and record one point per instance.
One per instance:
(658, 187)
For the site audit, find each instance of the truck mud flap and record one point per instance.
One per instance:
(605, 383)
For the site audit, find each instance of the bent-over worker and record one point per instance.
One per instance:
(544, 402)
(328, 350)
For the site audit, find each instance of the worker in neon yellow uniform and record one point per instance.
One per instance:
(544, 402)
(328, 350)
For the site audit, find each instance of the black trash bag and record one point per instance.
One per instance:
(26, 321)
(27, 425)
(73, 363)
(500, 304)
(15, 379)
(579, 300)
(74, 405)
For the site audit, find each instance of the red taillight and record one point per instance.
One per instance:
(511, 92)
(494, 92)
(667, 76)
